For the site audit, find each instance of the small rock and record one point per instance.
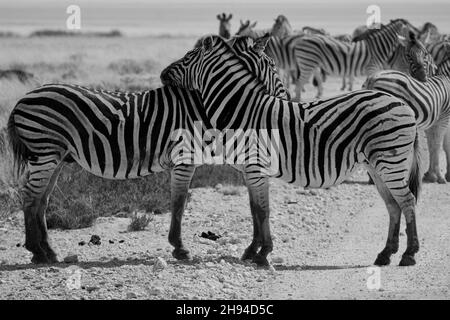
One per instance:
(111, 242)
(90, 289)
(210, 265)
(81, 243)
(95, 240)
(277, 260)
(2, 248)
(118, 285)
(218, 186)
(71, 258)
(160, 264)
(154, 291)
(18, 245)
(131, 295)
(157, 211)
(313, 192)
(121, 241)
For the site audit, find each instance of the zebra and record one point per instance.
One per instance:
(280, 49)
(224, 28)
(437, 49)
(321, 142)
(114, 135)
(430, 101)
(366, 55)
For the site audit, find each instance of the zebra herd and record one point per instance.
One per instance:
(233, 83)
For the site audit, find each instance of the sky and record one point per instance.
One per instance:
(199, 16)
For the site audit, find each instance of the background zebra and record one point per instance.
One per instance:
(114, 135)
(369, 53)
(366, 127)
(430, 101)
(224, 28)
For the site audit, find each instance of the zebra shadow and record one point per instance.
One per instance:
(281, 267)
(114, 263)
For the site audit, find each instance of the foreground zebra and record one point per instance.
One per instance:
(430, 101)
(114, 135)
(321, 142)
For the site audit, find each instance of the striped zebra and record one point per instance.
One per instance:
(282, 50)
(320, 142)
(114, 135)
(437, 49)
(368, 54)
(430, 102)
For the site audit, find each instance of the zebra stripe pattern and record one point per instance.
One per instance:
(320, 143)
(430, 101)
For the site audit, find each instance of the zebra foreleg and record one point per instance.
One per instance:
(180, 179)
(435, 136)
(343, 83)
(258, 189)
(394, 211)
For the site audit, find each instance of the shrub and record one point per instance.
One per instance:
(139, 221)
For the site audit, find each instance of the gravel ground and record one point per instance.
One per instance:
(324, 241)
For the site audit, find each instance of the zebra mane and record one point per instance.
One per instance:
(370, 33)
(236, 43)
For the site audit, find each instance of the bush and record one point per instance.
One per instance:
(139, 221)
(74, 214)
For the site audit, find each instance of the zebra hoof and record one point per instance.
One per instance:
(261, 261)
(249, 254)
(447, 177)
(181, 254)
(407, 260)
(441, 180)
(40, 259)
(382, 260)
(430, 177)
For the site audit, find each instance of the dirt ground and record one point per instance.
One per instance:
(325, 243)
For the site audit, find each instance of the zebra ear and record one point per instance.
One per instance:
(253, 24)
(229, 17)
(260, 43)
(207, 44)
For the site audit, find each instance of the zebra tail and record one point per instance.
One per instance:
(19, 149)
(415, 175)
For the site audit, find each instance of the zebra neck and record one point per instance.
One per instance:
(384, 42)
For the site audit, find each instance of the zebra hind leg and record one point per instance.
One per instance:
(403, 182)
(394, 211)
(447, 153)
(44, 172)
(435, 137)
(258, 188)
(180, 180)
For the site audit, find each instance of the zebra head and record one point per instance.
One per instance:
(246, 29)
(225, 25)
(281, 28)
(219, 57)
(420, 61)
